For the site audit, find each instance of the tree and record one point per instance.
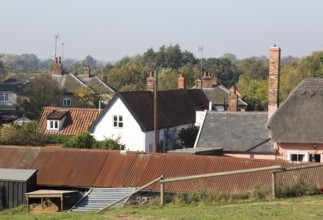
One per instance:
(188, 136)
(44, 91)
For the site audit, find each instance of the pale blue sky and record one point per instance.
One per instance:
(109, 30)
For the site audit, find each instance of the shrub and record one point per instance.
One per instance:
(25, 134)
(301, 187)
(82, 140)
(188, 136)
(108, 143)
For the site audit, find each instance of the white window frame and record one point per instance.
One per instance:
(117, 121)
(67, 102)
(4, 97)
(53, 125)
(305, 153)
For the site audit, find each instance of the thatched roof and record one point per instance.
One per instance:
(299, 119)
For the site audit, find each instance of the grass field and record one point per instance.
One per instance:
(310, 207)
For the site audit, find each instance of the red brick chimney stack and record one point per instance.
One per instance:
(58, 66)
(181, 82)
(86, 72)
(274, 72)
(233, 100)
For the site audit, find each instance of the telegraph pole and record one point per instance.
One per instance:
(155, 114)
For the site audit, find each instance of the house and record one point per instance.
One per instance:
(129, 117)
(222, 99)
(12, 93)
(66, 121)
(14, 90)
(71, 84)
(244, 134)
(296, 125)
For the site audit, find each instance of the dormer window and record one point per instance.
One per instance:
(67, 102)
(56, 120)
(53, 125)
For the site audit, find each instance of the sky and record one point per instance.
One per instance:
(109, 30)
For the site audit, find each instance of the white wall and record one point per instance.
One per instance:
(130, 135)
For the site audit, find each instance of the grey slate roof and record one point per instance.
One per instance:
(18, 81)
(299, 119)
(16, 174)
(236, 132)
(219, 95)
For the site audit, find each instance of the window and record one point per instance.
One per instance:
(4, 97)
(117, 121)
(67, 102)
(298, 157)
(52, 125)
(315, 158)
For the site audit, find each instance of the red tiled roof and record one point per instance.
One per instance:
(62, 167)
(79, 119)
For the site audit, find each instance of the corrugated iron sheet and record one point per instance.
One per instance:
(60, 167)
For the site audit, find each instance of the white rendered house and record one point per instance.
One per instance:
(129, 117)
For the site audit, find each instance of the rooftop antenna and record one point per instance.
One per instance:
(62, 52)
(201, 49)
(56, 36)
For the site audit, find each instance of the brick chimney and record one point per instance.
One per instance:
(233, 99)
(181, 82)
(86, 71)
(150, 81)
(58, 66)
(274, 72)
(198, 84)
(209, 80)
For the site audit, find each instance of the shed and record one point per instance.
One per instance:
(14, 183)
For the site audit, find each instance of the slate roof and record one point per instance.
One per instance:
(236, 132)
(219, 95)
(299, 119)
(68, 167)
(18, 81)
(175, 107)
(79, 119)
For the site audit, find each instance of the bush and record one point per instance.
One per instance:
(188, 136)
(82, 140)
(25, 134)
(301, 187)
(109, 143)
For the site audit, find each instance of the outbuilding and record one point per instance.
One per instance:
(14, 183)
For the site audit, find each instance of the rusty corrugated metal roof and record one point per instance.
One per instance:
(61, 167)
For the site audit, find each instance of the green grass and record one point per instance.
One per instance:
(309, 207)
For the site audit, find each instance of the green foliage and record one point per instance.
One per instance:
(86, 140)
(109, 143)
(25, 134)
(300, 187)
(256, 95)
(44, 91)
(82, 140)
(188, 136)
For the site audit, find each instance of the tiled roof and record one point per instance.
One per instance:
(79, 119)
(299, 119)
(236, 131)
(63, 167)
(96, 84)
(175, 107)
(57, 114)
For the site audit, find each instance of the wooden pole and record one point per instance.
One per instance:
(155, 114)
(161, 191)
(273, 184)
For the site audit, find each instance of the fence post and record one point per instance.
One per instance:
(273, 184)
(161, 191)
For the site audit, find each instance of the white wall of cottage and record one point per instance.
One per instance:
(130, 135)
